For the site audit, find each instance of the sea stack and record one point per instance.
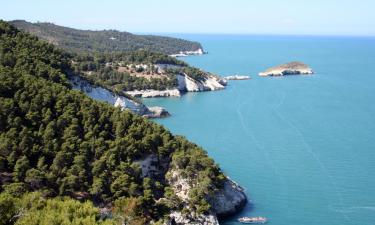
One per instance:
(292, 68)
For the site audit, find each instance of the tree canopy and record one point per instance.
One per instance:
(59, 142)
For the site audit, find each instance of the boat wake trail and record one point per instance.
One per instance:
(352, 209)
(324, 169)
(258, 146)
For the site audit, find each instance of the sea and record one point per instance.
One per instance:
(302, 147)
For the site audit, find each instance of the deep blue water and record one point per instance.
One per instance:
(303, 147)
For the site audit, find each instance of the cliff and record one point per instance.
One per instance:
(185, 84)
(292, 68)
(210, 83)
(226, 200)
(104, 95)
(155, 93)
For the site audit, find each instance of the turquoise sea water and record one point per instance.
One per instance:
(303, 147)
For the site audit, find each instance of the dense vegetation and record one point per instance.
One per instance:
(59, 142)
(34, 209)
(102, 69)
(104, 41)
(97, 57)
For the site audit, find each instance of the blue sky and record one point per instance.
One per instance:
(315, 17)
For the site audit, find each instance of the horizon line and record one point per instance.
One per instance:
(210, 33)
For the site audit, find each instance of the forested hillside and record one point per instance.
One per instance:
(127, 63)
(105, 40)
(55, 141)
(139, 70)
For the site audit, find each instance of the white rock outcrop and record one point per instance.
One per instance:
(157, 112)
(237, 77)
(152, 166)
(187, 53)
(211, 83)
(229, 199)
(104, 95)
(155, 93)
(136, 107)
(177, 218)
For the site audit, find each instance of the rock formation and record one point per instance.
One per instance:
(155, 93)
(104, 95)
(292, 68)
(237, 77)
(211, 83)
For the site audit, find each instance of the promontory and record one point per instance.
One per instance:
(292, 68)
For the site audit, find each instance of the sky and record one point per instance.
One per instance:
(292, 17)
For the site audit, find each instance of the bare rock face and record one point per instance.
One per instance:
(237, 77)
(155, 93)
(211, 83)
(229, 199)
(177, 218)
(104, 95)
(292, 68)
(157, 112)
(153, 166)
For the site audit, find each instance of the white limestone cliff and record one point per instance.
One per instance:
(155, 93)
(104, 95)
(211, 83)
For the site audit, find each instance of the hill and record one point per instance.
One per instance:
(126, 63)
(105, 40)
(56, 144)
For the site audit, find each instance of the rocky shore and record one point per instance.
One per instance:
(185, 84)
(155, 93)
(227, 200)
(187, 53)
(211, 83)
(104, 95)
(292, 68)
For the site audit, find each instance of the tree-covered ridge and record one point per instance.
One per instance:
(106, 40)
(139, 70)
(62, 143)
(101, 67)
(104, 69)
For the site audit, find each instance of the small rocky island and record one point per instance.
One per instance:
(292, 68)
(237, 77)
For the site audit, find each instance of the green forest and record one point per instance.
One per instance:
(96, 57)
(106, 40)
(65, 155)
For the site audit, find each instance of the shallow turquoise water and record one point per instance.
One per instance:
(303, 147)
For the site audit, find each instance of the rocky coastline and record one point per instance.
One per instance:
(227, 200)
(155, 93)
(188, 53)
(104, 95)
(185, 84)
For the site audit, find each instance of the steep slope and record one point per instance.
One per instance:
(60, 142)
(105, 40)
(128, 64)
